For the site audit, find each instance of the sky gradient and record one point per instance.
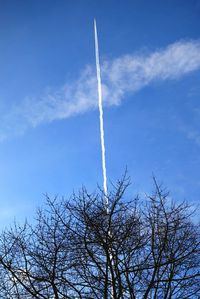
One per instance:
(49, 129)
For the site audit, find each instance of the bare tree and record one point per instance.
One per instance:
(142, 248)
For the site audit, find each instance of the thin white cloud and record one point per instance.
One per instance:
(192, 133)
(126, 74)
(195, 136)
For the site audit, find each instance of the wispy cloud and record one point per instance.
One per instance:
(195, 136)
(126, 74)
(191, 132)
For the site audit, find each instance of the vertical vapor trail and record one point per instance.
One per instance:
(100, 113)
(102, 137)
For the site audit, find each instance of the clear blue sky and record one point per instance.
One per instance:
(49, 130)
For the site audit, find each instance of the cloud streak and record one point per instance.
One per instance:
(126, 74)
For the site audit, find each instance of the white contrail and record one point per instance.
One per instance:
(102, 138)
(101, 114)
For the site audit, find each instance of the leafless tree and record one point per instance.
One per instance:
(140, 249)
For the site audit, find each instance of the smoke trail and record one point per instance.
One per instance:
(100, 114)
(102, 141)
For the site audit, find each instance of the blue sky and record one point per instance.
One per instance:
(49, 130)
